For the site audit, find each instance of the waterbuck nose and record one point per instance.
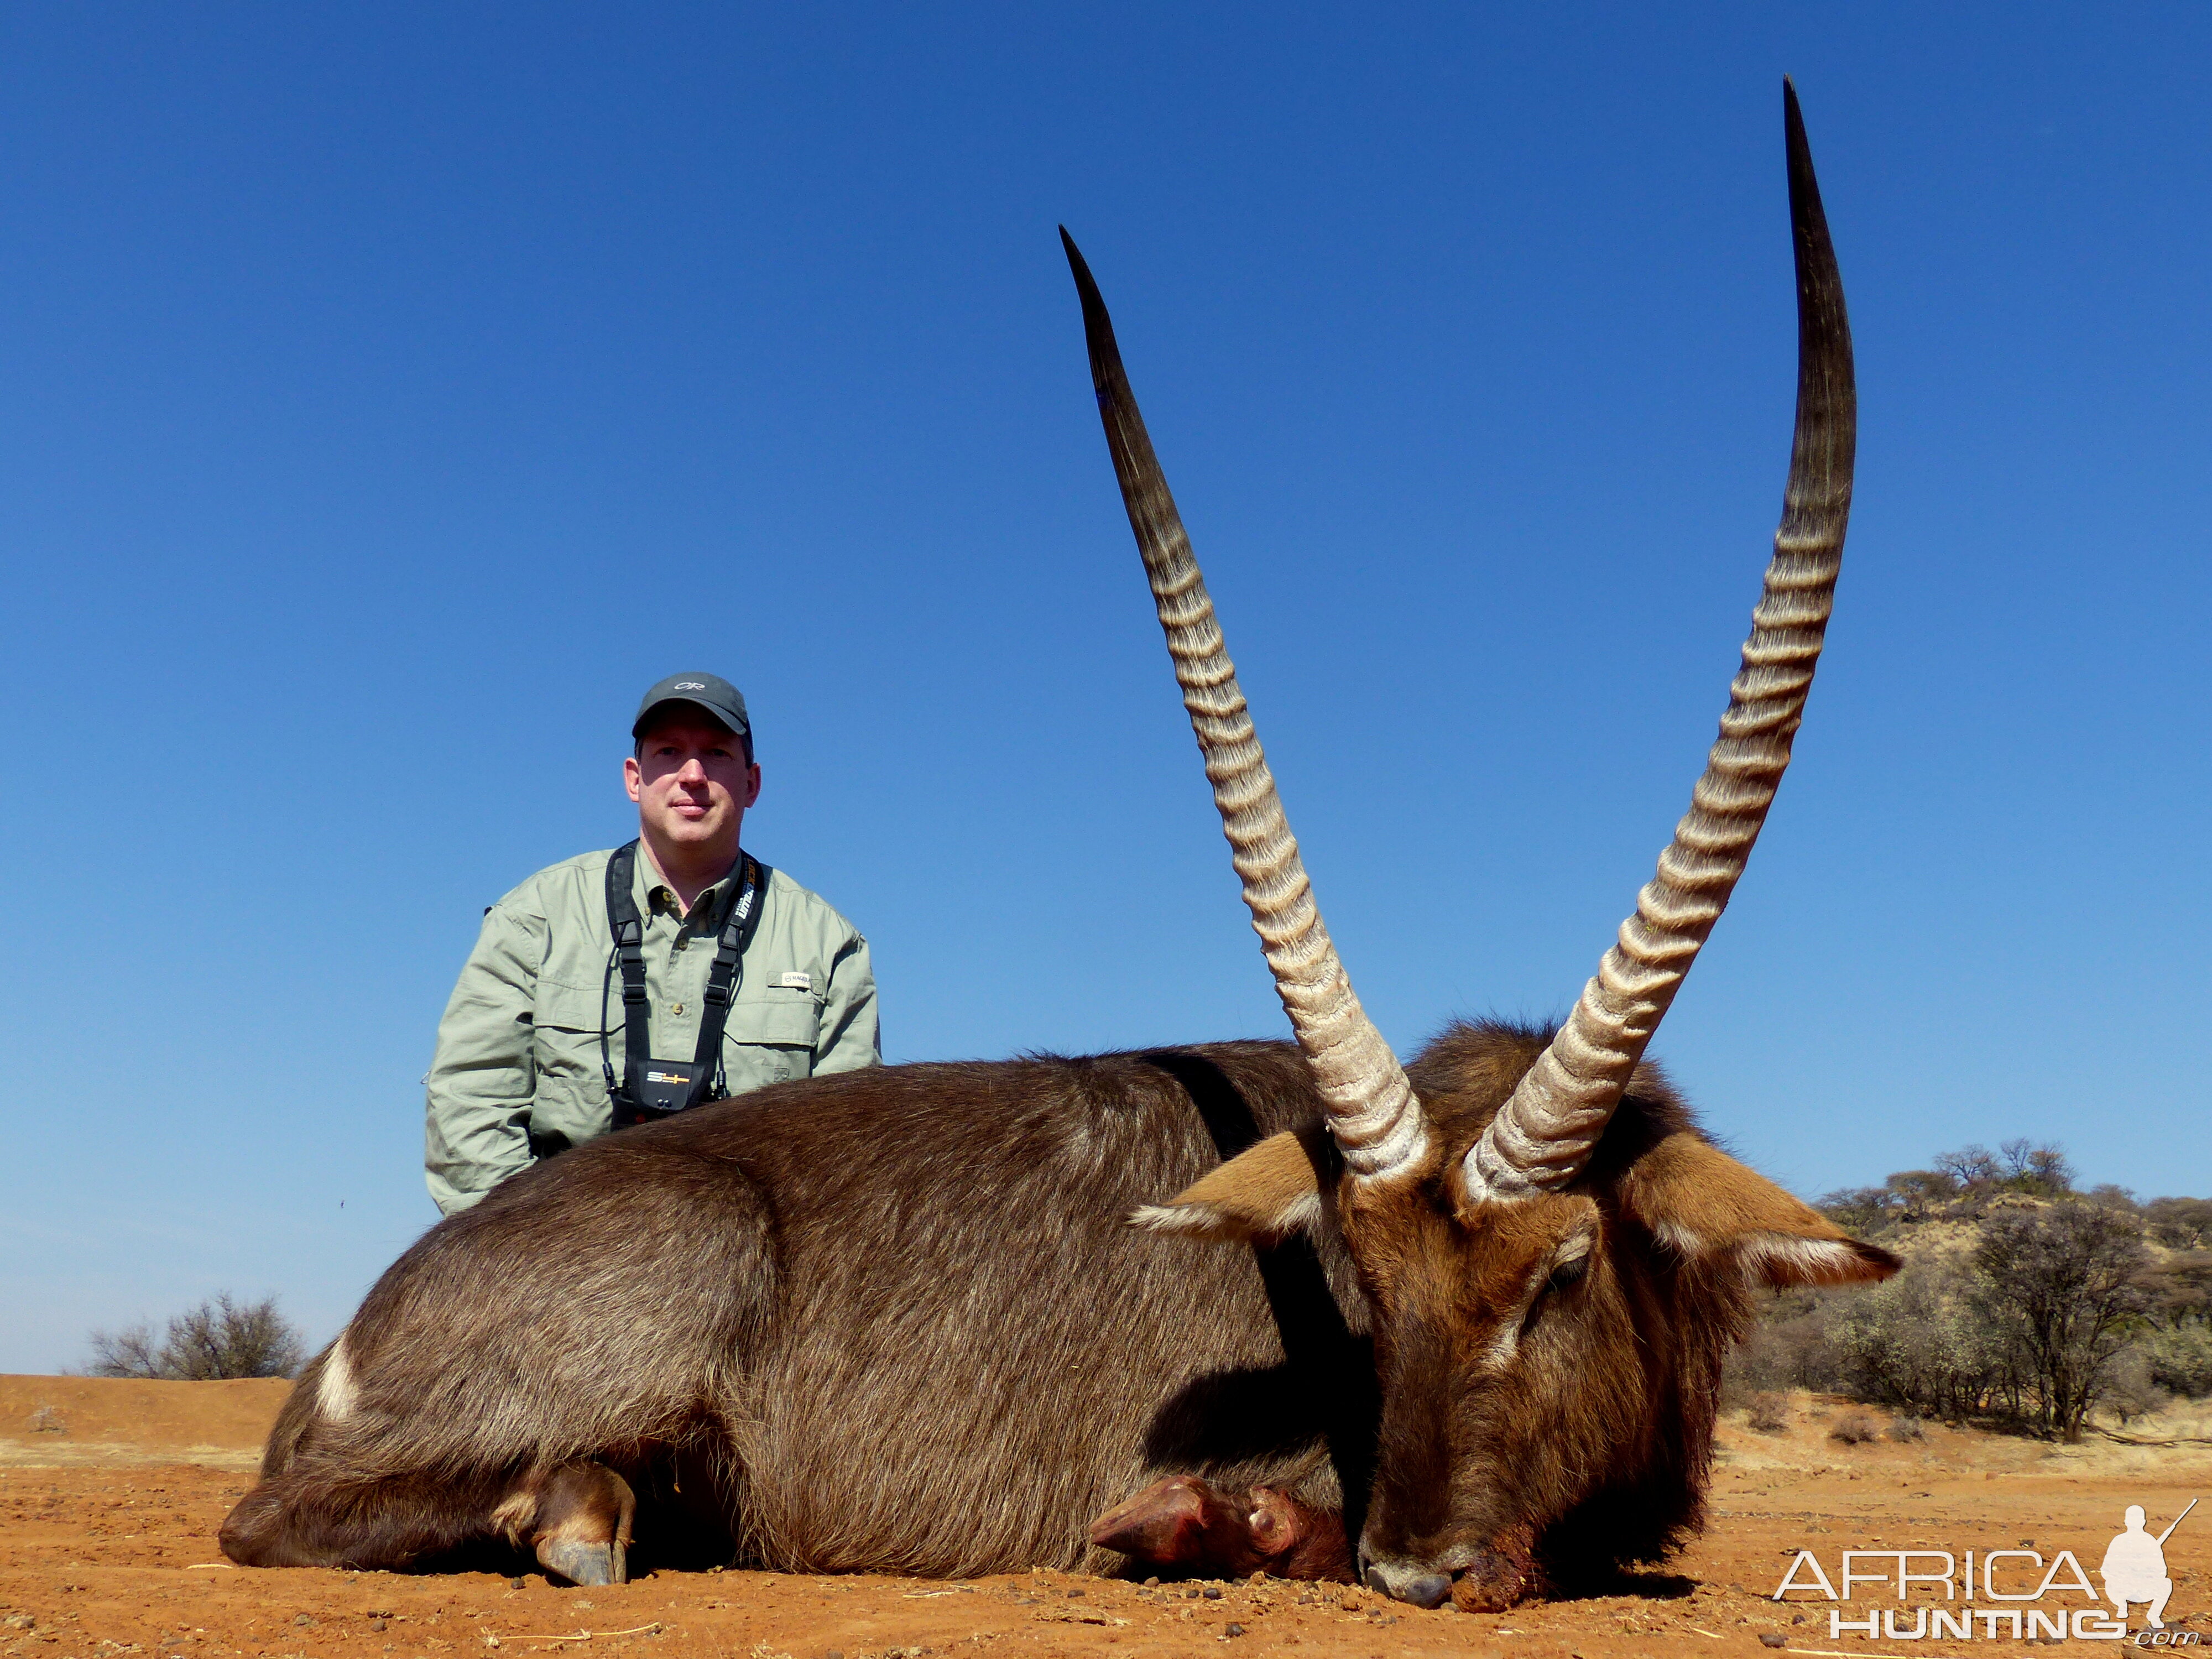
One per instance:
(1428, 1591)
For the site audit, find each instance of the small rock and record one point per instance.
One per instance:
(1210, 1594)
(1072, 1594)
(517, 1583)
(1768, 1638)
(1152, 1583)
(834, 1653)
(1233, 1630)
(303, 1619)
(1799, 1619)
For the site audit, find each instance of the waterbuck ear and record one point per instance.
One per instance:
(1265, 1193)
(1701, 1202)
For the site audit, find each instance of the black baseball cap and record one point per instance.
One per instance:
(709, 693)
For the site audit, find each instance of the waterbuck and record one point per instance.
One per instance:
(1457, 1328)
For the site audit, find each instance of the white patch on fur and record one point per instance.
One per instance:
(1302, 1214)
(1576, 1247)
(516, 1515)
(1504, 1346)
(336, 1396)
(1208, 1221)
(1763, 1256)
(1804, 1260)
(1507, 1341)
(1190, 1220)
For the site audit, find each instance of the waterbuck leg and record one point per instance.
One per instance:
(577, 1519)
(1186, 1526)
(311, 1517)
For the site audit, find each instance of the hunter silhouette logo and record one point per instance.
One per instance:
(2133, 1569)
(2134, 1566)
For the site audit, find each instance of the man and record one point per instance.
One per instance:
(2134, 1568)
(592, 999)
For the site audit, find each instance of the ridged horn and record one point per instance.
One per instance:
(1372, 1112)
(1543, 1135)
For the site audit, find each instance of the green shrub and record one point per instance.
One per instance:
(2180, 1360)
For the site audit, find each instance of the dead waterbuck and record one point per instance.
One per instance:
(1553, 1261)
(1465, 1317)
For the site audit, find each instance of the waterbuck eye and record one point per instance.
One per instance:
(1564, 1277)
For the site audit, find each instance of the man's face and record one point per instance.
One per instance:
(691, 784)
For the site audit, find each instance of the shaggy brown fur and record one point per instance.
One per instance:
(1549, 1370)
(896, 1317)
(897, 1320)
(1592, 1447)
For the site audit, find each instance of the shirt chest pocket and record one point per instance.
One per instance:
(572, 1008)
(771, 1040)
(565, 1044)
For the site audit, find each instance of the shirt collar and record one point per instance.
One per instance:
(652, 895)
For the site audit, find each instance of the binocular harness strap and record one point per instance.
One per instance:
(652, 1088)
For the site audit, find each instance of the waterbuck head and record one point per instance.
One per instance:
(1555, 1258)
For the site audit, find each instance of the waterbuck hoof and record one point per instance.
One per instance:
(582, 1534)
(1162, 1524)
(580, 1563)
(1183, 1524)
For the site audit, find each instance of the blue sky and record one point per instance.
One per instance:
(387, 395)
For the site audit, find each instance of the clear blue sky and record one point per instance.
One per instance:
(387, 395)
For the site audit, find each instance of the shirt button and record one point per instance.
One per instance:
(678, 1009)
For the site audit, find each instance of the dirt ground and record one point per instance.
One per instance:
(111, 1492)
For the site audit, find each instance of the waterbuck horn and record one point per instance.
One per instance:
(1544, 1134)
(1372, 1112)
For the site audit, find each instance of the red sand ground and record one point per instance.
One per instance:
(111, 1492)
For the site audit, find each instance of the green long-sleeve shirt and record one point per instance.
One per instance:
(517, 1056)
